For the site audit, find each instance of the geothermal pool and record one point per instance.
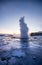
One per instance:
(12, 52)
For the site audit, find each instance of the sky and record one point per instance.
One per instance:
(12, 10)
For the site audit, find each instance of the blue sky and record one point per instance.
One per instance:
(12, 11)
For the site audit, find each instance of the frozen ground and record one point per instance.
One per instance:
(12, 53)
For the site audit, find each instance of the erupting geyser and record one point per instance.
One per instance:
(23, 29)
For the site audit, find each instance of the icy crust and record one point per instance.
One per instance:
(18, 53)
(10, 57)
(21, 57)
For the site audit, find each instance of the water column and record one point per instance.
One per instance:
(23, 32)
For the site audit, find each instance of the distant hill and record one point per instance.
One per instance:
(36, 34)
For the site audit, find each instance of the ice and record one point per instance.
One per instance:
(3, 62)
(14, 54)
(18, 53)
(12, 61)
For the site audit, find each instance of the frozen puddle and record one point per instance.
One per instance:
(18, 53)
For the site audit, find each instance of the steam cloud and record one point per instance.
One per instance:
(23, 28)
